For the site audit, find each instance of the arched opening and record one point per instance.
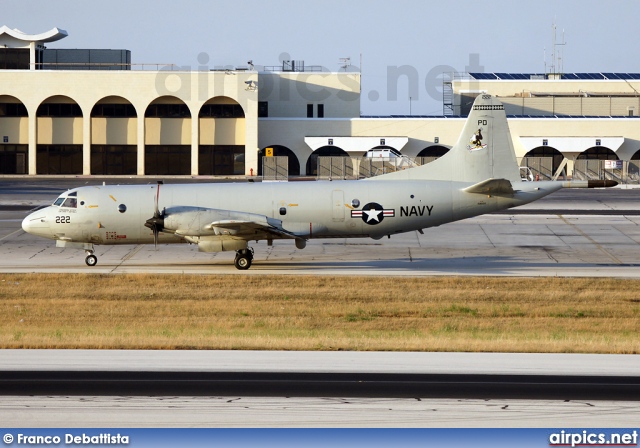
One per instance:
(382, 151)
(543, 160)
(431, 153)
(14, 129)
(434, 151)
(167, 149)
(589, 164)
(279, 150)
(221, 150)
(114, 127)
(598, 153)
(59, 137)
(634, 167)
(325, 151)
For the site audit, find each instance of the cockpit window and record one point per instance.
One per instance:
(58, 201)
(71, 203)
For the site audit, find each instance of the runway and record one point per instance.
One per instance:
(578, 233)
(316, 389)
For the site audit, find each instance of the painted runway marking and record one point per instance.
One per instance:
(602, 249)
(20, 231)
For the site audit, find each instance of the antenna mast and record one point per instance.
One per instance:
(346, 62)
(557, 62)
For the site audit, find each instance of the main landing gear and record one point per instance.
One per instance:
(91, 259)
(243, 259)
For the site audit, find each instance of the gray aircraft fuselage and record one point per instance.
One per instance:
(323, 209)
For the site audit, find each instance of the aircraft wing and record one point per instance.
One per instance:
(200, 221)
(491, 187)
(244, 227)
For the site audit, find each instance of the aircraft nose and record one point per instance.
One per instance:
(37, 224)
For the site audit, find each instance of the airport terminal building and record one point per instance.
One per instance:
(93, 112)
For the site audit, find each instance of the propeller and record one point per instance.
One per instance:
(156, 224)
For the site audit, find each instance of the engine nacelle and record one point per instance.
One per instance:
(217, 244)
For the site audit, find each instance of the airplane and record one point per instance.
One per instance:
(478, 175)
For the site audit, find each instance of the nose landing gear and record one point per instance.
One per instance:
(91, 259)
(243, 259)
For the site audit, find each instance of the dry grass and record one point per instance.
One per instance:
(319, 313)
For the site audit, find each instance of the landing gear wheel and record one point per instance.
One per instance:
(91, 260)
(242, 262)
(243, 259)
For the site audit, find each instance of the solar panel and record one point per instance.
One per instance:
(483, 75)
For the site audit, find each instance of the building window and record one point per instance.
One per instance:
(221, 111)
(13, 110)
(220, 160)
(263, 109)
(59, 110)
(320, 110)
(14, 59)
(13, 159)
(309, 110)
(114, 111)
(59, 159)
(167, 159)
(167, 111)
(114, 159)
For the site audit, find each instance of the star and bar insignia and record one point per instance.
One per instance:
(373, 213)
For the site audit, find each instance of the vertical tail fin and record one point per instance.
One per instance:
(484, 149)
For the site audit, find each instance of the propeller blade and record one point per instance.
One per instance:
(156, 213)
(156, 223)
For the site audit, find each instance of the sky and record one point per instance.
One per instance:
(402, 47)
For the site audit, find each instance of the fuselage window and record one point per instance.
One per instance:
(58, 201)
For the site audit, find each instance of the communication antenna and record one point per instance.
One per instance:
(345, 63)
(557, 63)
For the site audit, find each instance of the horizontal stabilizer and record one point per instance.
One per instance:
(491, 187)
